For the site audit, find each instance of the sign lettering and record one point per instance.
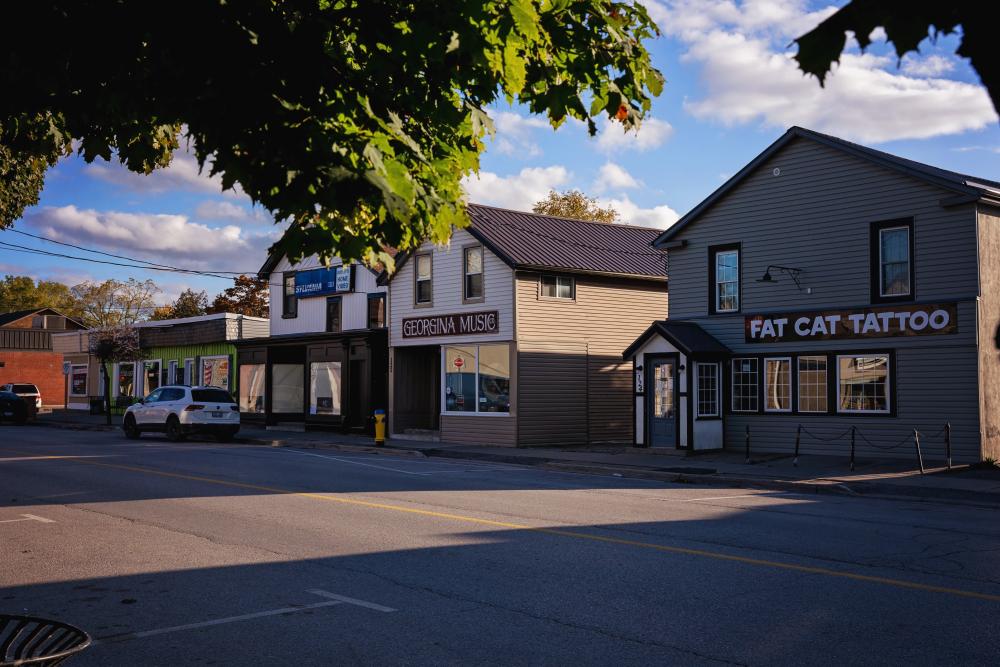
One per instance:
(316, 282)
(880, 322)
(483, 322)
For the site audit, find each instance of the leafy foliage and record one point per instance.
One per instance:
(24, 159)
(188, 304)
(110, 344)
(247, 296)
(574, 204)
(23, 293)
(906, 24)
(353, 120)
(114, 303)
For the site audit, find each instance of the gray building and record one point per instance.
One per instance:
(829, 286)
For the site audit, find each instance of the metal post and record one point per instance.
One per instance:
(947, 442)
(798, 439)
(748, 443)
(920, 457)
(853, 429)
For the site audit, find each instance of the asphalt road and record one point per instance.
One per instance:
(198, 553)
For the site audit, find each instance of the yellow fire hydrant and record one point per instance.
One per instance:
(380, 428)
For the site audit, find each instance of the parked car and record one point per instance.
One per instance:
(25, 390)
(13, 408)
(179, 411)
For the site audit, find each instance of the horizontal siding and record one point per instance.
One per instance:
(253, 328)
(479, 430)
(447, 285)
(70, 343)
(552, 393)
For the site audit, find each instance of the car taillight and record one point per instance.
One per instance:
(193, 407)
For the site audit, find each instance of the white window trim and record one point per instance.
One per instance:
(572, 287)
(715, 268)
(72, 370)
(826, 383)
(172, 371)
(732, 386)
(766, 375)
(466, 273)
(697, 379)
(159, 376)
(417, 280)
(187, 378)
(210, 357)
(909, 262)
(115, 383)
(444, 380)
(888, 384)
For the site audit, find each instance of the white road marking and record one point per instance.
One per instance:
(347, 600)
(357, 463)
(29, 517)
(745, 495)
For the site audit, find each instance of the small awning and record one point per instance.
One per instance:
(687, 337)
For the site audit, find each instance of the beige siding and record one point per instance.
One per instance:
(989, 331)
(574, 386)
(447, 284)
(69, 343)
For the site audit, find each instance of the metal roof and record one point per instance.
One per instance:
(688, 337)
(14, 316)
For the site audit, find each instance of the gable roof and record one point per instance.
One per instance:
(688, 337)
(544, 242)
(14, 316)
(968, 188)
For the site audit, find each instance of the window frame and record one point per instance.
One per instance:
(556, 277)
(757, 386)
(875, 260)
(798, 383)
(86, 385)
(889, 384)
(713, 290)
(339, 300)
(444, 379)
(416, 280)
(465, 273)
(372, 297)
(214, 357)
(698, 414)
(289, 302)
(791, 386)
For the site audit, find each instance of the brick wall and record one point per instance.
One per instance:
(43, 369)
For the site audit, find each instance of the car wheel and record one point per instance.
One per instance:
(174, 431)
(131, 429)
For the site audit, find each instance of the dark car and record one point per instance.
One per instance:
(13, 408)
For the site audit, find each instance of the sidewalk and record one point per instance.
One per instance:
(813, 474)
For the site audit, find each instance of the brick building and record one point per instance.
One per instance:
(26, 353)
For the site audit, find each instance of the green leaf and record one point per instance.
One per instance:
(525, 17)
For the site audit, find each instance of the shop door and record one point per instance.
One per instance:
(661, 402)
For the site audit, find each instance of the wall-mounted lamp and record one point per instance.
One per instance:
(791, 272)
(639, 367)
(682, 368)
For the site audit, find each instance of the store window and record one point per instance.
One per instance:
(78, 380)
(708, 390)
(778, 385)
(376, 311)
(289, 302)
(477, 379)
(189, 372)
(892, 260)
(126, 379)
(334, 314)
(324, 388)
(422, 289)
(215, 371)
(863, 383)
(287, 388)
(172, 372)
(558, 287)
(725, 274)
(473, 262)
(746, 383)
(150, 376)
(812, 384)
(252, 388)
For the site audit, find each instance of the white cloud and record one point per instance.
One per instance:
(659, 217)
(225, 210)
(515, 133)
(614, 177)
(168, 239)
(182, 174)
(969, 149)
(519, 191)
(749, 76)
(613, 138)
(929, 66)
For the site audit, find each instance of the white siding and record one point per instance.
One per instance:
(312, 311)
(447, 277)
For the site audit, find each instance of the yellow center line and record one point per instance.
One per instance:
(561, 532)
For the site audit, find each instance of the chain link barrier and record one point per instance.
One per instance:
(854, 431)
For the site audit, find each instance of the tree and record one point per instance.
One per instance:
(188, 304)
(111, 344)
(247, 296)
(114, 302)
(906, 24)
(23, 293)
(353, 122)
(23, 163)
(574, 204)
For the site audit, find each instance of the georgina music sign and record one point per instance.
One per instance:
(482, 322)
(887, 321)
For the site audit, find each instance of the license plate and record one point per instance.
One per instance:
(218, 415)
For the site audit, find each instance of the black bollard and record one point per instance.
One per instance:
(748, 444)
(947, 442)
(798, 439)
(853, 429)
(920, 457)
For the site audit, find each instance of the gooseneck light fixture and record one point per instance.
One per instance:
(791, 272)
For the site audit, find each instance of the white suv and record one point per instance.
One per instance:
(28, 392)
(180, 410)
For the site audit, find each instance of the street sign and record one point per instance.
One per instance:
(459, 362)
(67, 367)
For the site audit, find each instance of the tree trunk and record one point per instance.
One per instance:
(107, 391)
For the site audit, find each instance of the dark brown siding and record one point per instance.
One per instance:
(192, 333)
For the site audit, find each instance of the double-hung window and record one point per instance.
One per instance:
(892, 261)
(422, 289)
(376, 311)
(708, 389)
(557, 287)
(812, 384)
(778, 384)
(334, 308)
(725, 279)
(472, 260)
(289, 302)
(863, 383)
(746, 382)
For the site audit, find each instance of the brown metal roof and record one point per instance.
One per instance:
(529, 240)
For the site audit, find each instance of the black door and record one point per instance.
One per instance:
(661, 402)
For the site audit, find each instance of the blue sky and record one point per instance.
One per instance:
(731, 90)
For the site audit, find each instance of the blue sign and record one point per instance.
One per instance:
(316, 282)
